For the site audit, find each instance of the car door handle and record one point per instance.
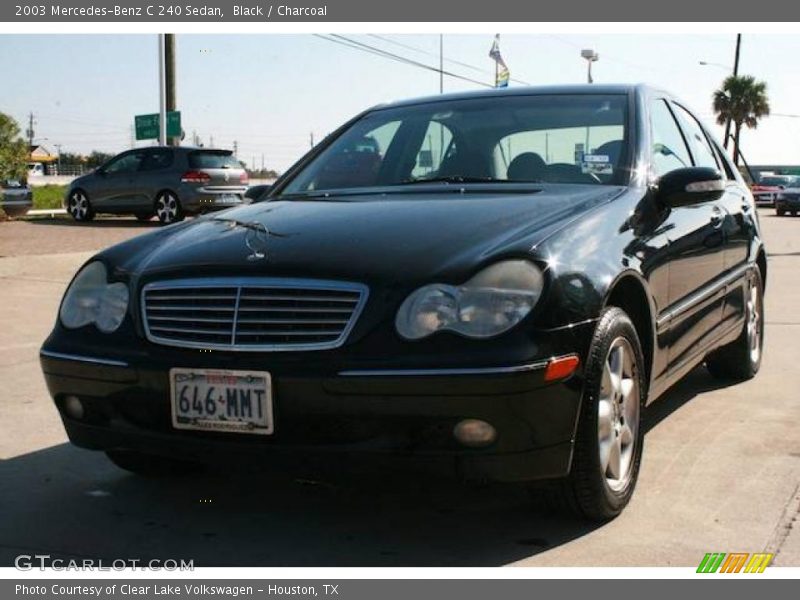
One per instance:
(717, 216)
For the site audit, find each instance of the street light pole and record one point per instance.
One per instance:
(590, 56)
(170, 84)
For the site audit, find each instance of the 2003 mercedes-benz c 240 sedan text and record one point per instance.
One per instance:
(494, 282)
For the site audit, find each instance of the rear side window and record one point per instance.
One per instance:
(158, 159)
(669, 149)
(698, 143)
(213, 160)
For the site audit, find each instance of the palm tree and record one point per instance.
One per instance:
(743, 101)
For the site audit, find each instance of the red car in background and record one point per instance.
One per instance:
(769, 186)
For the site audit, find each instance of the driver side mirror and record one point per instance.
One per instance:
(691, 185)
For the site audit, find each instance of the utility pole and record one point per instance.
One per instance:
(58, 164)
(235, 148)
(735, 73)
(311, 139)
(170, 80)
(29, 132)
(162, 93)
(262, 161)
(211, 141)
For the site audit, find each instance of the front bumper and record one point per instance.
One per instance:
(349, 414)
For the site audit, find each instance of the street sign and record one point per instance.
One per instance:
(147, 125)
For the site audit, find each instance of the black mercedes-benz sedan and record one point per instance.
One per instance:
(495, 284)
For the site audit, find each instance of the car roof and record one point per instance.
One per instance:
(586, 88)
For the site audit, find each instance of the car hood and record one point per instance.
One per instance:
(364, 238)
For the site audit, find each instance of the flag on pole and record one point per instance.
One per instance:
(502, 74)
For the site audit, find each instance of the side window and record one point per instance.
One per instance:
(160, 158)
(435, 145)
(669, 150)
(696, 137)
(129, 163)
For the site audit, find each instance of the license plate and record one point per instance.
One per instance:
(227, 199)
(221, 400)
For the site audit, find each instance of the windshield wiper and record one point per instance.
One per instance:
(466, 179)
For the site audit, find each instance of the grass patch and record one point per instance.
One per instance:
(48, 196)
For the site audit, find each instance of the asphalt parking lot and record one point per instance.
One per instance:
(720, 472)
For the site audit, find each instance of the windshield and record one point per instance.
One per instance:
(775, 181)
(565, 138)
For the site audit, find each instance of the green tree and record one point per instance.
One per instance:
(13, 150)
(744, 101)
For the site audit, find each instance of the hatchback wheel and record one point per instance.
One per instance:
(150, 465)
(741, 359)
(168, 208)
(608, 446)
(79, 207)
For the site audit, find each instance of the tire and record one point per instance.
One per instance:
(143, 217)
(149, 465)
(741, 359)
(780, 212)
(611, 417)
(793, 213)
(168, 208)
(79, 206)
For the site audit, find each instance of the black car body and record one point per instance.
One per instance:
(788, 200)
(644, 250)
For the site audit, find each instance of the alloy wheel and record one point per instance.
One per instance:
(618, 414)
(167, 208)
(754, 336)
(78, 206)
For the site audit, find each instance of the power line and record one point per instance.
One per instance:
(356, 45)
(450, 60)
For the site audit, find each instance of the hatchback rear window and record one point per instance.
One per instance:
(213, 160)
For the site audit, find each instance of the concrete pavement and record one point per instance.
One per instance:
(720, 472)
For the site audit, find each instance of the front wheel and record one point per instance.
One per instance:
(168, 208)
(149, 465)
(608, 445)
(741, 359)
(79, 207)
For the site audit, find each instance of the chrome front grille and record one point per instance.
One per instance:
(254, 314)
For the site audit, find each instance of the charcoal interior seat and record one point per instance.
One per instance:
(528, 166)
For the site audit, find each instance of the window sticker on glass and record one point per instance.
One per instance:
(596, 164)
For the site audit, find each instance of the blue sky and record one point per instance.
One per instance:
(270, 92)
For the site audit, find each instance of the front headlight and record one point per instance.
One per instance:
(91, 299)
(490, 303)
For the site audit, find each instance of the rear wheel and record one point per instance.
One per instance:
(168, 208)
(780, 212)
(79, 207)
(608, 445)
(150, 465)
(741, 359)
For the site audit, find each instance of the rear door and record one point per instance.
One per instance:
(155, 175)
(695, 252)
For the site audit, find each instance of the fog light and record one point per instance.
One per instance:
(473, 432)
(74, 407)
